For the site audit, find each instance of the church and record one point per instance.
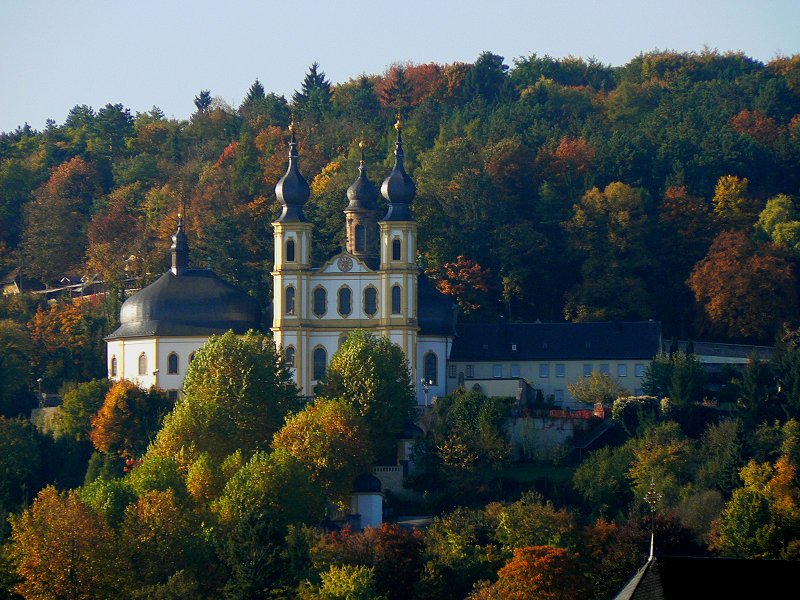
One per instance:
(374, 283)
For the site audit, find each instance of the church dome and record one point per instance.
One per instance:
(186, 302)
(292, 189)
(398, 188)
(194, 303)
(362, 194)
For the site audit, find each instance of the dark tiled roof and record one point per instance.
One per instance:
(436, 313)
(617, 340)
(194, 303)
(682, 578)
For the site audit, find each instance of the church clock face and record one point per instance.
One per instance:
(345, 263)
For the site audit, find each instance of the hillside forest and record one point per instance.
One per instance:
(550, 189)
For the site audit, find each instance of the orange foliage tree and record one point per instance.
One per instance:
(62, 549)
(466, 281)
(746, 290)
(541, 573)
(128, 419)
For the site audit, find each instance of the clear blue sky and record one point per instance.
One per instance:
(56, 54)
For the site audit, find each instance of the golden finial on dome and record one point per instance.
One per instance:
(398, 126)
(291, 124)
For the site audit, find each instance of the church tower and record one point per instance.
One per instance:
(292, 265)
(398, 258)
(361, 217)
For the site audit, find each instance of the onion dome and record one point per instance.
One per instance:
(398, 188)
(292, 189)
(362, 194)
(186, 302)
(366, 484)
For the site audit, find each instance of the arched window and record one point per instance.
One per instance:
(397, 300)
(361, 238)
(290, 251)
(113, 366)
(172, 364)
(320, 301)
(289, 356)
(396, 249)
(370, 301)
(142, 364)
(290, 300)
(320, 359)
(430, 368)
(191, 357)
(345, 301)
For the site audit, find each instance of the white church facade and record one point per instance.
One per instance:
(374, 284)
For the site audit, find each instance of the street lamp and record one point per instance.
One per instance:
(39, 381)
(426, 386)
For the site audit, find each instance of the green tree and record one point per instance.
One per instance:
(348, 582)
(20, 462)
(235, 396)
(372, 373)
(313, 100)
(679, 377)
(329, 437)
(80, 404)
(15, 368)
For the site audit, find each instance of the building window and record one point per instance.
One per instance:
(558, 396)
(172, 364)
(397, 298)
(361, 238)
(191, 357)
(396, 249)
(470, 371)
(320, 301)
(544, 371)
(172, 395)
(430, 368)
(497, 371)
(342, 340)
(639, 370)
(451, 371)
(370, 301)
(289, 300)
(320, 359)
(604, 369)
(587, 370)
(622, 370)
(288, 356)
(142, 364)
(290, 251)
(345, 301)
(515, 370)
(113, 366)
(560, 370)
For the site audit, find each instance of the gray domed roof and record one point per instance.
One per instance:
(366, 484)
(398, 188)
(362, 194)
(292, 189)
(195, 302)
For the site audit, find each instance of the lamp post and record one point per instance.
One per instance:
(426, 386)
(39, 381)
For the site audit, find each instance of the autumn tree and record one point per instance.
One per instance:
(62, 549)
(54, 235)
(733, 205)
(541, 573)
(609, 230)
(128, 419)
(745, 290)
(329, 437)
(599, 388)
(466, 281)
(372, 373)
(235, 396)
